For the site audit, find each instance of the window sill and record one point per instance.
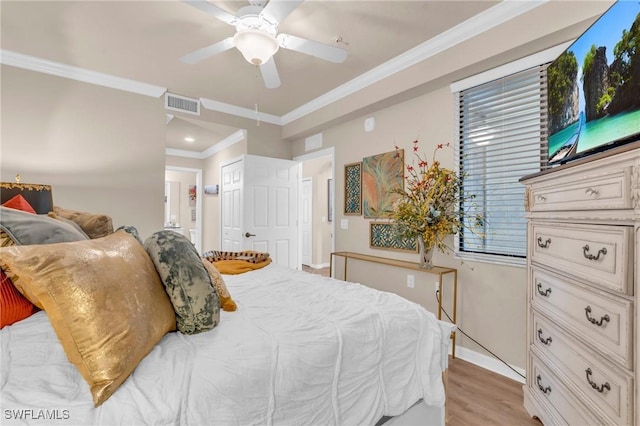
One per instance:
(517, 262)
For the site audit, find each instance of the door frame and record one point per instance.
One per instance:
(199, 192)
(331, 152)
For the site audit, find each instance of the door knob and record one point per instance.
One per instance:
(249, 235)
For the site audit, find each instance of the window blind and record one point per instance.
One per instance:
(502, 137)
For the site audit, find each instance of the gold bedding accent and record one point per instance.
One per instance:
(237, 262)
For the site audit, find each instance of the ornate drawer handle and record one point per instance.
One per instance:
(593, 384)
(545, 244)
(545, 293)
(543, 389)
(546, 341)
(605, 318)
(589, 256)
(591, 191)
(541, 198)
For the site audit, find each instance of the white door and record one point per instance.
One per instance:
(260, 207)
(306, 218)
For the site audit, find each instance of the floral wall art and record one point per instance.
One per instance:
(381, 174)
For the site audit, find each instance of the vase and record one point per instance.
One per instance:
(426, 253)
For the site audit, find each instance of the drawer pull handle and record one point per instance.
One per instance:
(544, 341)
(591, 191)
(589, 256)
(545, 293)
(541, 198)
(545, 244)
(587, 311)
(543, 389)
(593, 384)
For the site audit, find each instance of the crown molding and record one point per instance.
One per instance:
(490, 18)
(234, 138)
(238, 111)
(44, 66)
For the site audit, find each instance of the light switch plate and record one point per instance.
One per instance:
(344, 224)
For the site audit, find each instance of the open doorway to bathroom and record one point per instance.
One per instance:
(183, 203)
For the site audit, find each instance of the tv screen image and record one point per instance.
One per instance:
(594, 87)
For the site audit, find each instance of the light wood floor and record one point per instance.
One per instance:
(479, 397)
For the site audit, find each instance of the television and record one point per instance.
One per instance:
(593, 87)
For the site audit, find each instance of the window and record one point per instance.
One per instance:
(501, 137)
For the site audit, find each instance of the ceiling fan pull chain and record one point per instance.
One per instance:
(257, 96)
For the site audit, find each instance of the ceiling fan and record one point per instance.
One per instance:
(257, 36)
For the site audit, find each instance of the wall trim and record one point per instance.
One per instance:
(44, 66)
(489, 363)
(234, 138)
(238, 111)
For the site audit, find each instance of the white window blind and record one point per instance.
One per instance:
(502, 137)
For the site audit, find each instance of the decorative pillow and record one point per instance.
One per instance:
(131, 230)
(186, 281)
(26, 228)
(226, 302)
(104, 299)
(19, 203)
(94, 225)
(13, 305)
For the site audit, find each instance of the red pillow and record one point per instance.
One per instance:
(13, 305)
(19, 203)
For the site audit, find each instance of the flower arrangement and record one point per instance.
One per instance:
(427, 210)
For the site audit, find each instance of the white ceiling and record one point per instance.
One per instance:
(143, 41)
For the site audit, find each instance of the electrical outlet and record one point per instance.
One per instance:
(435, 288)
(411, 281)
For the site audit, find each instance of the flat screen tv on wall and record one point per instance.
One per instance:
(594, 87)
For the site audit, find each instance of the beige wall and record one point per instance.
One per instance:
(491, 298)
(320, 170)
(102, 150)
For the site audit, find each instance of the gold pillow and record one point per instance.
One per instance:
(226, 302)
(94, 225)
(104, 299)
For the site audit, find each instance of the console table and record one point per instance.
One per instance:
(436, 270)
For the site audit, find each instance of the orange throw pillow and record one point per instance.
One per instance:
(19, 203)
(13, 305)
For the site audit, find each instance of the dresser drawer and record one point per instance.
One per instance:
(584, 192)
(604, 386)
(598, 254)
(546, 386)
(602, 321)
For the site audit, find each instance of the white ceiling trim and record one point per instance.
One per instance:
(234, 138)
(32, 63)
(212, 105)
(498, 14)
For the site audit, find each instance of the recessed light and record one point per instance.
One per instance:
(189, 139)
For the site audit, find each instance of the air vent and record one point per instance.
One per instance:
(182, 104)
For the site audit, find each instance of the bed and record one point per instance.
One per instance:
(300, 349)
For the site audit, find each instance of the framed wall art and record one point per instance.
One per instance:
(353, 188)
(380, 175)
(382, 235)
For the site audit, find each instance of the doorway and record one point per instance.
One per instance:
(183, 203)
(318, 168)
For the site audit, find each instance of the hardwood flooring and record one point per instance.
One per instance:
(479, 397)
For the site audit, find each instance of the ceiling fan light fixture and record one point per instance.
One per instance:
(256, 46)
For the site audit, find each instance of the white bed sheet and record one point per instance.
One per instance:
(301, 349)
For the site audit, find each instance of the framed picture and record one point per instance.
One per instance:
(353, 188)
(330, 200)
(382, 235)
(211, 189)
(381, 174)
(192, 195)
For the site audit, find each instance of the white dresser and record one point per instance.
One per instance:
(583, 246)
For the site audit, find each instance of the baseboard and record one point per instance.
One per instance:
(489, 363)
(318, 266)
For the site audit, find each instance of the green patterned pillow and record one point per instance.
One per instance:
(195, 300)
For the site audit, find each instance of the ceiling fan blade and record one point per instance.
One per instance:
(206, 52)
(313, 48)
(270, 74)
(213, 10)
(280, 9)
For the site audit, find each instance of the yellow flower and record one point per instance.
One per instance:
(429, 206)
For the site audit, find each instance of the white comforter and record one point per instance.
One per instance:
(301, 350)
